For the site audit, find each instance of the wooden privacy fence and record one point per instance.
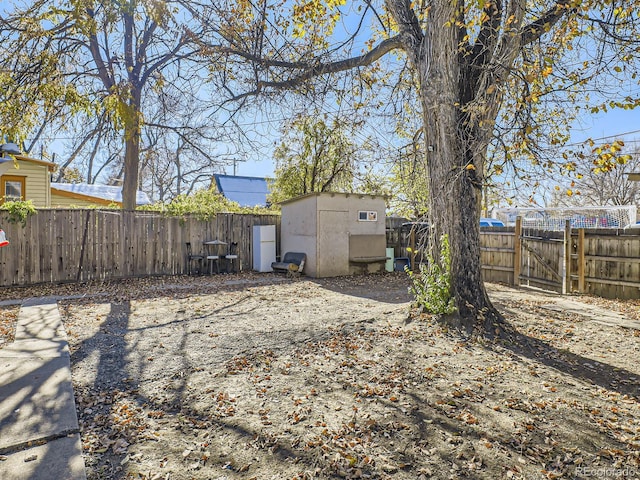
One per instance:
(81, 245)
(603, 262)
(76, 245)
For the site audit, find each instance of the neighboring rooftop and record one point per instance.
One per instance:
(247, 191)
(103, 192)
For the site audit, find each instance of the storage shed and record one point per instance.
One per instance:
(341, 233)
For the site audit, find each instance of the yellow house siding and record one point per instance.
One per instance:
(37, 182)
(65, 202)
(63, 198)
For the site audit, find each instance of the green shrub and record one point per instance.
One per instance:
(19, 210)
(204, 204)
(431, 286)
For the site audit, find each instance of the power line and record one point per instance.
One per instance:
(615, 135)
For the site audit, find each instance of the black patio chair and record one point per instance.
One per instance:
(193, 256)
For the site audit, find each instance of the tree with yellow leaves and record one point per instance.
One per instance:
(115, 59)
(503, 75)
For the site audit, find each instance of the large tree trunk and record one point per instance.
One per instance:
(132, 116)
(130, 184)
(132, 131)
(455, 192)
(456, 149)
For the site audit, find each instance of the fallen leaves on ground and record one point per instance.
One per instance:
(331, 379)
(8, 319)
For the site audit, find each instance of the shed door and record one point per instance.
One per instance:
(333, 243)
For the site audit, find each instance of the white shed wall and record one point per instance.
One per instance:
(320, 226)
(298, 229)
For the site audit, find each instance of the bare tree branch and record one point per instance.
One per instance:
(542, 25)
(319, 69)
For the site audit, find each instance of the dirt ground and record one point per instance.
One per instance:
(263, 377)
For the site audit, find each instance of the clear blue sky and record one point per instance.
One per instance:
(614, 123)
(254, 168)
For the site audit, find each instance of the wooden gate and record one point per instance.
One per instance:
(545, 259)
(602, 262)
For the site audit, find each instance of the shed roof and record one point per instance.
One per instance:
(50, 166)
(106, 193)
(247, 191)
(333, 194)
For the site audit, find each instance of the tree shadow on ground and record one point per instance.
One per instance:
(115, 367)
(382, 287)
(577, 366)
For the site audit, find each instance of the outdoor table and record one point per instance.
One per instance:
(215, 256)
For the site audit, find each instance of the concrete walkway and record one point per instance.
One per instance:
(39, 437)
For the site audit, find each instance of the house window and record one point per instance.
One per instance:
(13, 188)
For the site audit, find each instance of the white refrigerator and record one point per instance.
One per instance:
(264, 247)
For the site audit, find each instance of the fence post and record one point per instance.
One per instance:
(83, 246)
(566, 268)
(581, 261)
(517, 252)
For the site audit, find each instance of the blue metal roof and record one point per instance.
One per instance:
(105, 192)
(247, 191)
